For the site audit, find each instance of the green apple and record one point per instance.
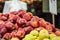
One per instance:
(29, 37)
(55, 38)
(36, 39)
(43, 34)
(34, 33)
(46, 39)
(52, 36)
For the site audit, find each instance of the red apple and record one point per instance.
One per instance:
(51, 32)
(56, 29)
(7, 36)
(21, 21)
(20, 29)
(14, 12)
(28, 29)
(39, 28)
(36, 18)
(34, 23)
(9, 25)
(2, 39)
(42, 22)
(2, 26)
(16, 26)
(20, 33)
(47, 23)
(11, 17)
(15, 38)
(3, 18)
(57, 33)
(49, 27)
(0, 35)
(21, 13)
(13, 33)
(6, 15)
(27, 24)
(15, 18)
(27, 16)
(3, 30)
(2, 22)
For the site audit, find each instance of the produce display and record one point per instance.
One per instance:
(23, 25)
(42, 35)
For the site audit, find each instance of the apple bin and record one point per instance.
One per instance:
(22, 25)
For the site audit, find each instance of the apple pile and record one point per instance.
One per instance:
(15, 25)
(41, 35)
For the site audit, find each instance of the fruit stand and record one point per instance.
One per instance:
(22, 25)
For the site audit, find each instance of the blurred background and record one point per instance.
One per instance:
(39, 8)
